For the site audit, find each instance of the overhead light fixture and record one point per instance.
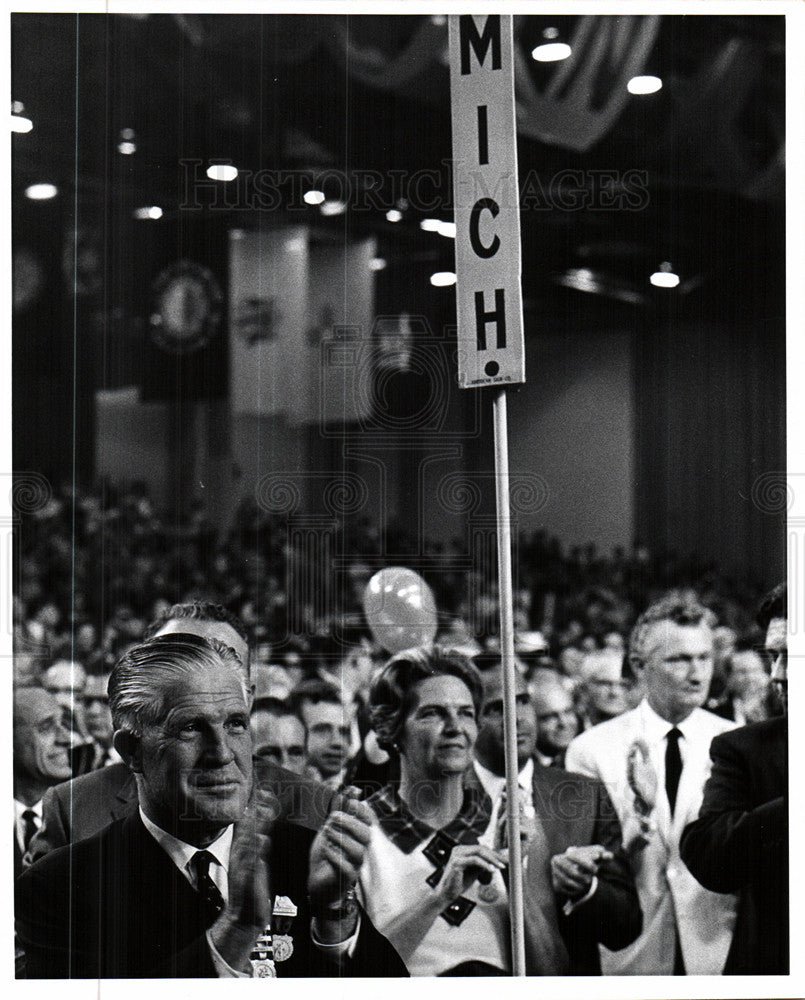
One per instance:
(19, 121)
(551, 52)
(222, 172)
(447, 229)
(644, 85)
(126, 148)
(430, 225)
(443, 279)
(313, 197)
(377, 264)
(394, 215)
(585, 279)
(148, 212)
(41, 192)
(333, 207)
(665, 277)
(550, 34)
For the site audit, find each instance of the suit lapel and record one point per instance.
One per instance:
(155, 910)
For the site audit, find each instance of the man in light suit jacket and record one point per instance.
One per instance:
(654, 761)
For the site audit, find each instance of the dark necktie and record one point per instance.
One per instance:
(29, 827)
(207, 889)
(673, 766)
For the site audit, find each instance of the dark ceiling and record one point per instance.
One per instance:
(365, 99)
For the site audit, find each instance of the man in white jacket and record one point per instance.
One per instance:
(654, 762)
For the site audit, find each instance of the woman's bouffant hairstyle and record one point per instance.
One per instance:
(392, 695)
(142, 675)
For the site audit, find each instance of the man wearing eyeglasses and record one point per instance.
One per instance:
(739, 843)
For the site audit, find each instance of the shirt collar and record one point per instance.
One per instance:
(655, 728)
(181, 853)
(20, 808)
(493, 783)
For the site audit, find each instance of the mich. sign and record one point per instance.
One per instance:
(488, 258)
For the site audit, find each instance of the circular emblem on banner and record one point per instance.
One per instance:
(185, 308)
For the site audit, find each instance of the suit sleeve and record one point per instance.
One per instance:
(612, 916)
(54, 831)
(731, 831)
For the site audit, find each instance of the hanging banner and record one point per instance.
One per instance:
(486, 197)
(338, 344)
(268, 282)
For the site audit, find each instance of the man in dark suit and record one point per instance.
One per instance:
(739, 843)
(77, 809)
(188, 884)
(41, 759)
(573, 839)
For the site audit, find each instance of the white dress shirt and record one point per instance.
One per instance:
(19, 822)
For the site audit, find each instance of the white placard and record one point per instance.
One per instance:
(485, 191)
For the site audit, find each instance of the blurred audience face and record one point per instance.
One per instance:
(747, 675)
(66, 682)
(86, 639)
(607, 691)
(41, 742)
(97, 714)
(570, 661)
(677, 669)
(557, 722)
(328, 736)
(280, 739)
(490, 746)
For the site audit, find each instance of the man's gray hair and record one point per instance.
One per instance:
(682, 607)
(139, 680)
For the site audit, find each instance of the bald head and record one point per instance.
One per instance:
(557, 722)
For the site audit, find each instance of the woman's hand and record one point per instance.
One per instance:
(468, 863)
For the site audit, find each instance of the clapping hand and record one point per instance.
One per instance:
(642, 777)
(336, 858)
(572, 873)
(248, 912)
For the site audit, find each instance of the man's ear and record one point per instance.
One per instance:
(636, 667)
(129, 747)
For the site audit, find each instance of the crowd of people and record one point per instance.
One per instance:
(172, 710)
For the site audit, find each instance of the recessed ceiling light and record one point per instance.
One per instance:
(222, 172)
(126, 148)
(41, 192)
(551, 52)
(313, 197)
(148, 212)
(665, 277)
(377, 264)
(644, 85)
(442, 279)
(447, 229)
(19, 123)
(430, 225)
(333, 207)
(394, 215)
